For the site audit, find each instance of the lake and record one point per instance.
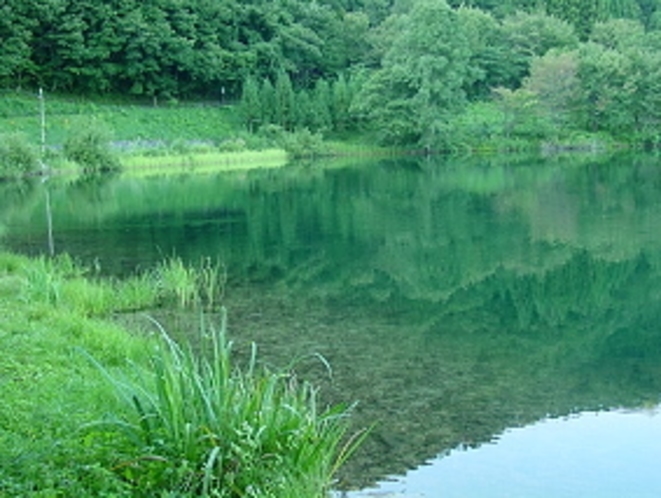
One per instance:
(497, 320)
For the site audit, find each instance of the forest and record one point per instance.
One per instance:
(437, 74)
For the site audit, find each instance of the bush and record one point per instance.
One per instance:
(304, 144)
(17, 156)
(232, 145)
(188, 147)
(89, 146)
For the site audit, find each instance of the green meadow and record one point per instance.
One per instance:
(125, 119)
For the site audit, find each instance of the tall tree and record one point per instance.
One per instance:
(525, 36)
(322, 104)
(251, 105)
(420, 85)
(341, 103)
(607, 86)
(609, 9)
(554, 82)
(488, 53)
(268, 102)
(582, 14)
(284, 101)
(649, 10)
(16, 31)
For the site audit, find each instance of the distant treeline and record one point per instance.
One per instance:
(434, 72)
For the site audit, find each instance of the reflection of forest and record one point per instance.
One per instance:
(452, 299)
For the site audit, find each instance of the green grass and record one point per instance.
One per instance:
(128, 121)
(71, 382)
(145, 165)
(48, 390)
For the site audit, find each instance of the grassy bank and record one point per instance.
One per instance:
(83, 413)
(201, 162)
(133, 136)
(143, 139)
(128, 121)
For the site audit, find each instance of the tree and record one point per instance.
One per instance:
(620, 75)
(648, 104)
(341, 103)
(525, 36)
(554, 81)
(649, 9)
(582, 14)
(488, 53)
(609, 9)
(619, 34)
(607, 89)
(267, 102)
(15, 50)
(251, 108)
(521, 113)
(411, 98)
(284, 101)
(304, 111)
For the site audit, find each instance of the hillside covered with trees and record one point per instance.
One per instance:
(434, 73)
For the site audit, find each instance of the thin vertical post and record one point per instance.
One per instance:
(49, 212)
(42, 113)
(49, 224)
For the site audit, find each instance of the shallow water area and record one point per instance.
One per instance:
(507, 306)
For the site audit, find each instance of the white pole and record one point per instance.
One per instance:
(49, 222)
(42, 112)
(49, 213)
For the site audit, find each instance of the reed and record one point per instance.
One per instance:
(197, 426)
(176, 283)
(212, 278)
(188, 286)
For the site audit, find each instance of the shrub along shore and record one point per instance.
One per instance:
(90, 409)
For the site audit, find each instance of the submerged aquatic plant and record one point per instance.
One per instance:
(196, 425)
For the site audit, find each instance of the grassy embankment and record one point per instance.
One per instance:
(88, 409)
(147, 139)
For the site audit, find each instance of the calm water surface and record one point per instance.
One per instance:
(499, 320)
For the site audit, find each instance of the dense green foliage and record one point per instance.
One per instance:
(410, 72)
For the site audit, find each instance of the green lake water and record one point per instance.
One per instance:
(498, 320)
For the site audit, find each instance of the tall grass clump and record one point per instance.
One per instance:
(195, 425)
(18, 157)
(188, 286)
